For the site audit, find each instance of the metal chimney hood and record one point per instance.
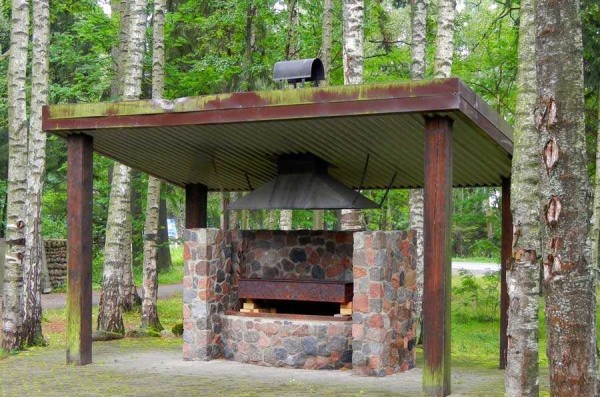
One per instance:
(302, 182)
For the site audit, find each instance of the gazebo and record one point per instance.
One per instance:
(434, 134)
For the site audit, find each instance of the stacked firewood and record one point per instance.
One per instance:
(56, 258)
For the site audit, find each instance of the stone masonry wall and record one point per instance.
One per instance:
(208, 280)
(290, 343)
(384, 286)
(298, 254)
(379, 341)
(56, 259)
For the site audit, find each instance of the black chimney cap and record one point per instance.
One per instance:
(298, 71)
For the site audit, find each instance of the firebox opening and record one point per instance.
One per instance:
(297, 307)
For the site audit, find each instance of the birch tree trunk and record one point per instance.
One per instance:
(17, 175)
(565, 197)
(118, 240)
(353, 59)
(326, 39)
(415, 196)
(285, 220)
(522, 278)
(319, 215)
(110, 320)
(163, 258)
(444, 43)
(150, 319)
(595, 234)
(36, 167)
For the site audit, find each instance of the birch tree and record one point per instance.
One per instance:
(565, 199)
(12, 320)
(150, 320)
(353, 15)
(521, 375)
(318, 218)
(110, 321)
(444, 42)
(291, 51)
(34, 255)
(415, 196)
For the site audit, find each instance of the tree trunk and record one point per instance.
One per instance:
(291, 46)
(150, 319)
(33, 259)
(224, 213)
(353, 51)
(118, 239)
(285, 220)
(444, 39)
(17, 174)
(318, 220)
(521, 375)
(565, 199)
(163, 261)
(353, 60)
(272, 220)
(415, 196)
(326, 39)
(111, 298)
(249, 47)
(595, 233)
(234, 218)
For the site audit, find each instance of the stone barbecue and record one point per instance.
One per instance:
(376, 339)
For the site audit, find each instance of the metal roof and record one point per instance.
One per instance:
(223, 141)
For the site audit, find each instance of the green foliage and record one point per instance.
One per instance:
(177, 329)
(476, 297)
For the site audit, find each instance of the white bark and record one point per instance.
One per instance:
(595, 234)
(285, 220)
(117, 253)
(415, 196)
(444, 39)
(566, 200)
(33, 259)
(150, 278)
(419, 39)
(415, 205)
(521, 375)
(353, 13)
(110, 311)
(150, 281)
(353, 46)
(17, 172)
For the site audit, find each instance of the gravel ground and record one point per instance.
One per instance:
(139, 367)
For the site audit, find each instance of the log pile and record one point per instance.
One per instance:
(56, 258)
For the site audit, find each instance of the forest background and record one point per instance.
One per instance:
(208, 51)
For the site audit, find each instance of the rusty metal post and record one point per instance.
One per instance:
(437, 271)
(196, 200)
(505, 257)
(79, 213)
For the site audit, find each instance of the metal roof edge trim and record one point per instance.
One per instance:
(412, 88)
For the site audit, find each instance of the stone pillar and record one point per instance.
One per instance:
(384, 287)
(207, 288)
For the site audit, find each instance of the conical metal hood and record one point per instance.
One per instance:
(302, 182)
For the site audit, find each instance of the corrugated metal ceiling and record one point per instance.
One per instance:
(224, 155)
